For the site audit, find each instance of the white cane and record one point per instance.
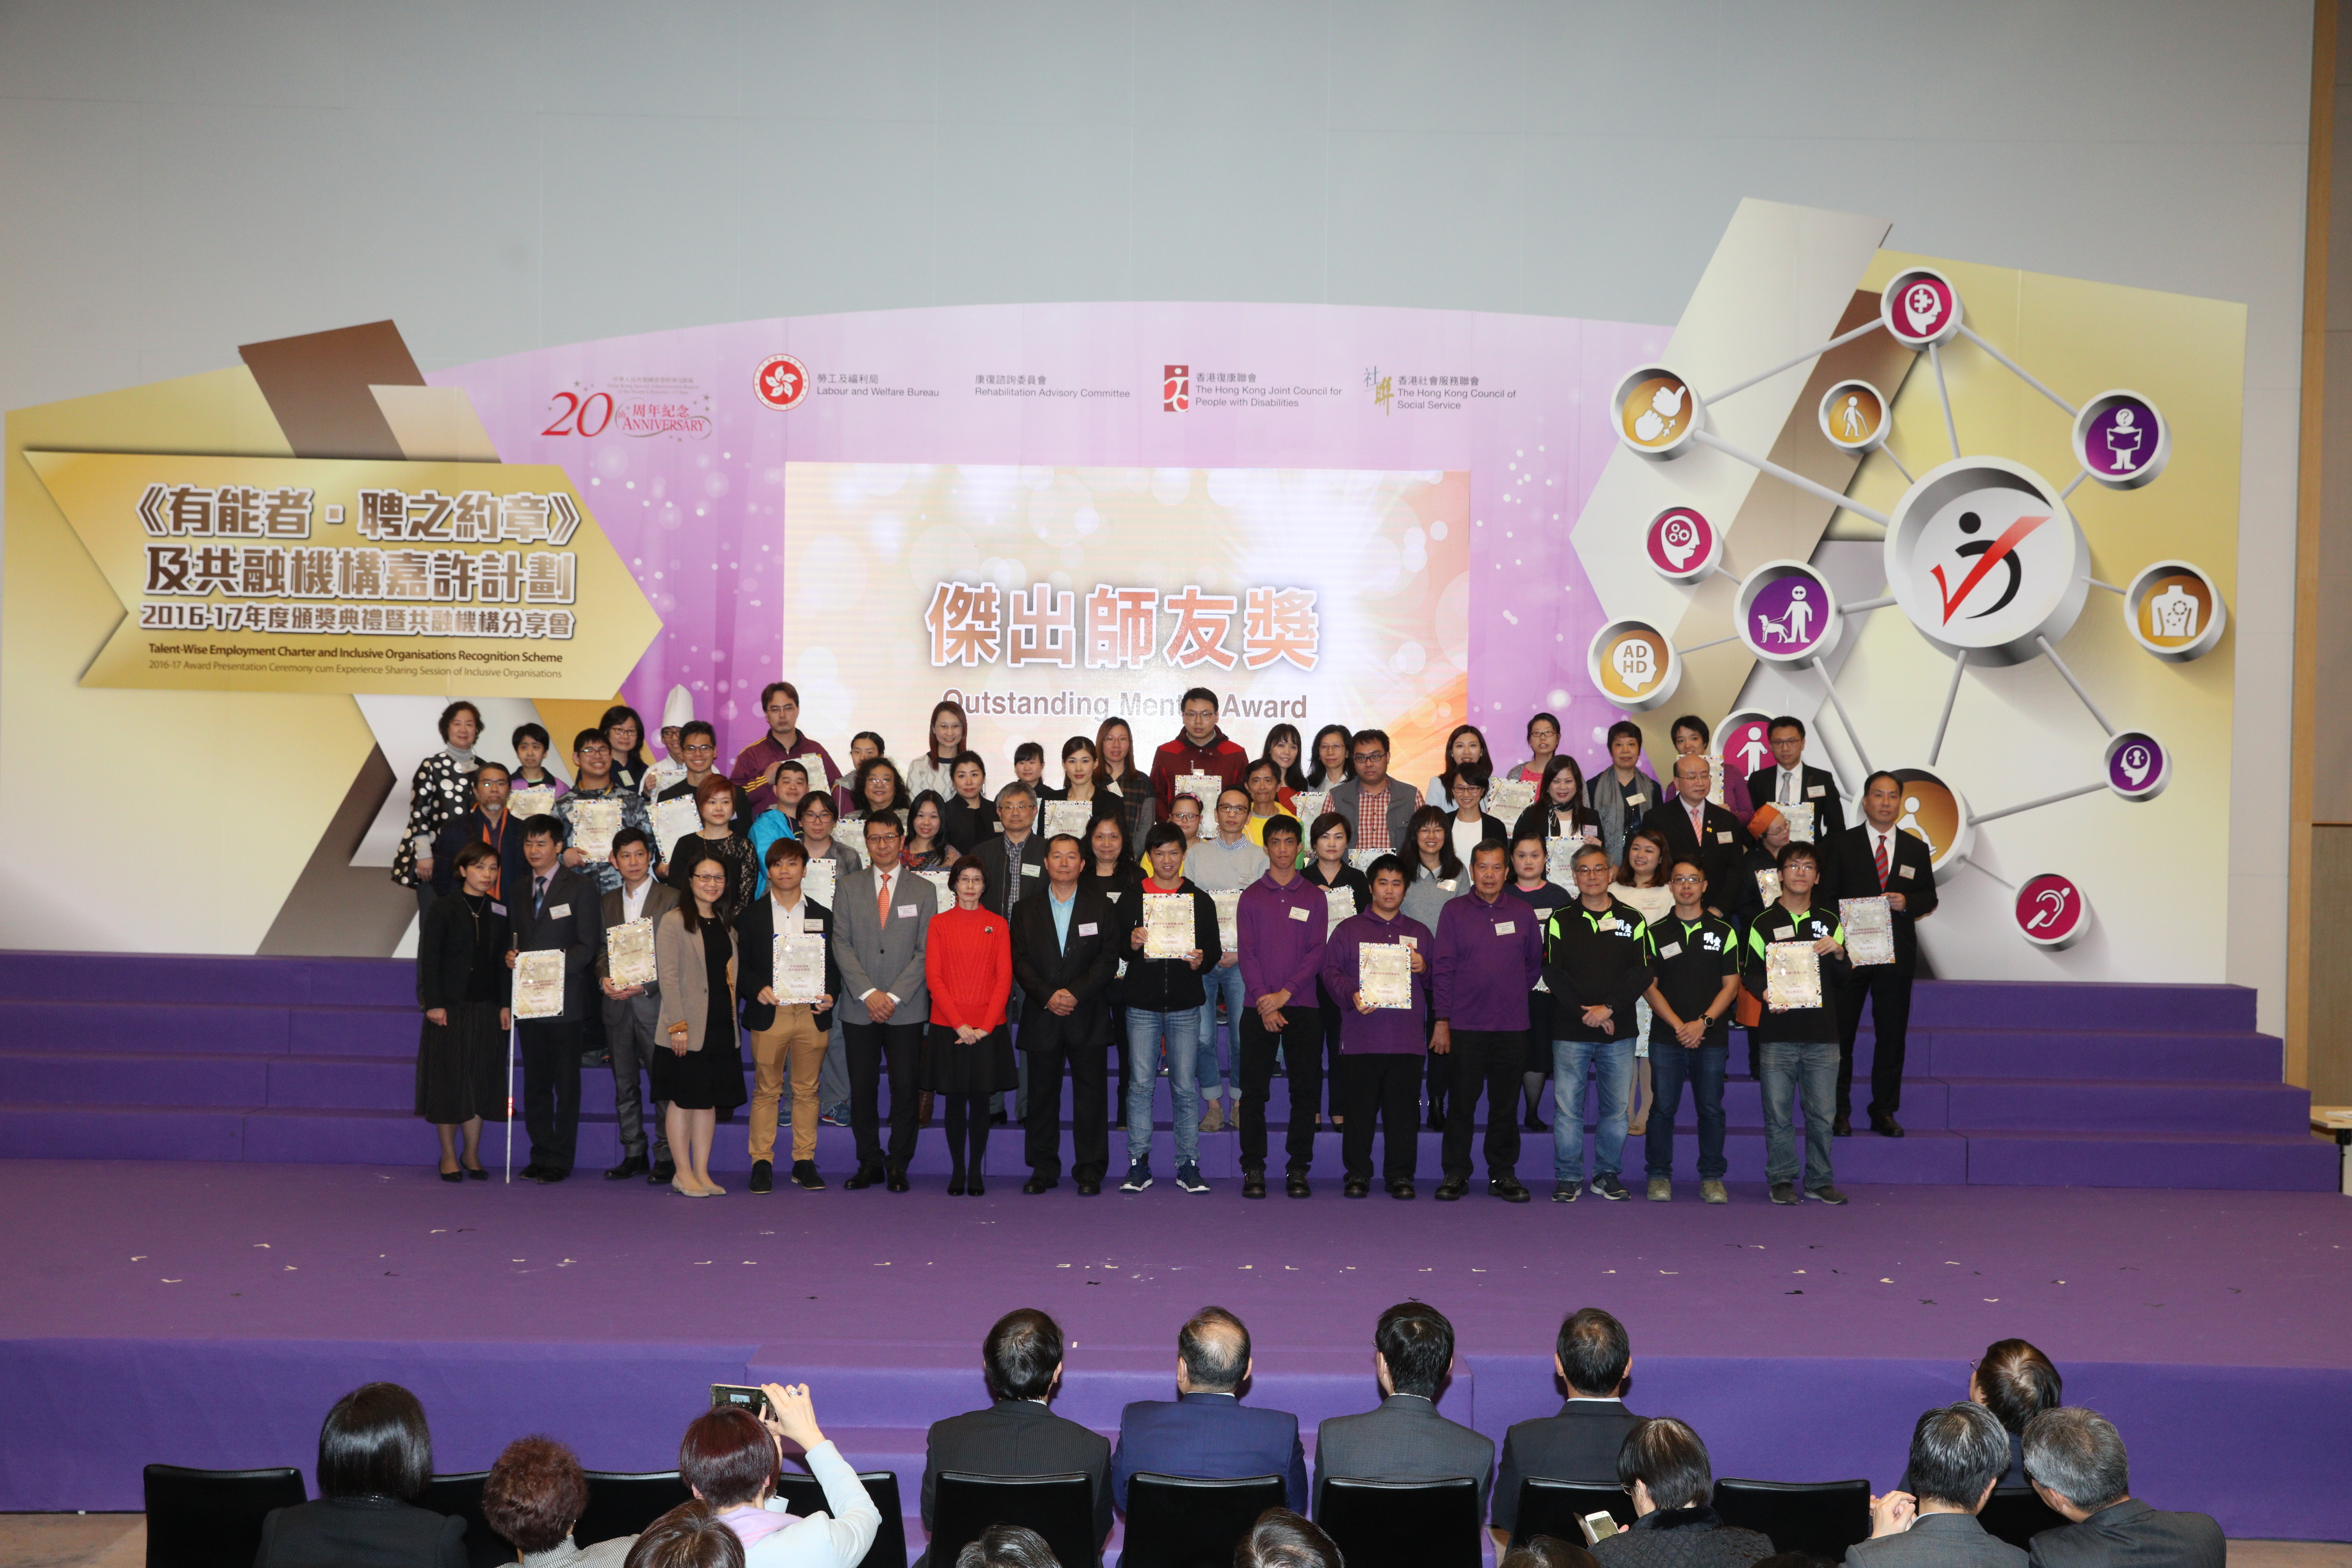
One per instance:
(514, 1028)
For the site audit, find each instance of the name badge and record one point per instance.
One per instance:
(1087, 929)
(1608, 923)
(1634, 800)
(1904, 871)
(1029, 870)
(996, 827)
(1449, 884)
(498, 909)
(907, 911)
(811, 923)
(1813, 792)
(1671, 950)
(1723, 838)
(1507, 928)
(1407, 942)
(1296, 913)
(557, 911)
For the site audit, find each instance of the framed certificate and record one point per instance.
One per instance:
(1792, 976)
(1800, 820)
(1307, 805)
(1229, 912)
(629, 952)
(1338, 903)
(939, 879)
(1768, 882)
(539, 984)
(594, 823)
(1361, 859)
(1204, 788)
(1167, 925)
(800, 966)
(673, 820)
(1384, 973)
(1070, 816)
(819, 880)
(1559, 858)
(537, 800)
(1508, 797)
(1869, 929)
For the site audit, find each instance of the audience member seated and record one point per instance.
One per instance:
(1007, 1546)
(2076, 1459)
(1019, 1434)
(691, 1535)
(730, 1459)
(533, 1495)
(1552, 1551)
(1206, 1434)
(375, 1458)
(1581, 1443)
(1957, 1455)
(2016, 1382)
(1666, 1467)
(1405, 1439)
(1281, 1539)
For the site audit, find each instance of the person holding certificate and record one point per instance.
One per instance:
(1283, 921)
(714, 797)
(1487, 957)
(1115, 875)
(1543, 745)
(1115, 752)
(788, 1008)
(968, 1050)
(698, 748)
(698, 1069)
(1379, 963)
(876, 790)
(1199, 748)
(1345, 893)
(627, 974)
(1171, 939)
(1876, 859)
(1064, 957)
(557, 909)
(1083, 797)
(1223, 863)
(490, 822)
(935, 769)
(1696, 963)
(1262, 782)
(1797, 949)
(595, 809)
(461, 989)
(1596, 966)
(1531, 884)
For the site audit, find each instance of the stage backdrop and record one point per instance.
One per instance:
(1059, 514)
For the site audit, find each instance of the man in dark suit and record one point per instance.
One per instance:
(1020, 1434)
(1206, 1433)
(632, 1012)
(1696, 828)
(1860, 863)
(999, 853)
(1959, 1454)
(2076, 1459)
(1593, 1357)
(490, 822)
(1405, 1439)
(1792, 781)
(554, 908)
(881, 916)
(1064, 956)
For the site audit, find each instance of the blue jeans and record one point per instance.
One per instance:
(1670, 1064)
(1143, 1032)
(1785, 1067)
(1613, 1067)
(1221, 984)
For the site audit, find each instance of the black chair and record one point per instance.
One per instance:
(1557, 1509)
(1821, 1519)
(625, 1504)
(212, 1518)
(2018, 1514)
(461, 1496)
(1174, 1521)
(1059, 1508)
(1403, 1524)
(804, 1497)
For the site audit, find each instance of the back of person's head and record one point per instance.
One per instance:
(1548, 1552)
(689, 1536)
(727, 1456)
(2079, 1455)
(1281, 1539)
(1007, 1546)
(1593, 1353)
(534, 1494)
(1957, 1451)
(2017, 1383)
(1022, 1353)
(1215, 1349)
(374, 1443)
(1417, 1342)
(1667, 1456)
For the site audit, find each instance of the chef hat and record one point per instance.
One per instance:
(1765, 816)
(678, 707)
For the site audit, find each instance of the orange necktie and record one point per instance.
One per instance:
(882, 897)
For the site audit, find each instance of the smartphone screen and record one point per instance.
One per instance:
(750, 1396)
(1597, 1525)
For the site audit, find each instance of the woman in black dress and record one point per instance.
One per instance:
(461, 985)
(716, 840)
(967, 1050)
(698, 1067)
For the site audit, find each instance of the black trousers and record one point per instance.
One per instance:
(1041, 1128)
(1301, 1045)
(1889, 991)
(1492, 1060)
(551, 1090)
(1386, 1084)
(1334, 1089)
(875, 1048)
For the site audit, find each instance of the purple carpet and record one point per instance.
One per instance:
(206, 1314)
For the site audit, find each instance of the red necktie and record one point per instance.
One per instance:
(1882, 861)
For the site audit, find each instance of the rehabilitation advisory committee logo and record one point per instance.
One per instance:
(781, 381)
(1175, 388)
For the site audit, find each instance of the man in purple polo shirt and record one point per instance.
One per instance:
(1489, 956)
(1380, 1053)
(1282, 921)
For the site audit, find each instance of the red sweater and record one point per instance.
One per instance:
(1220, 756)
(967, 966)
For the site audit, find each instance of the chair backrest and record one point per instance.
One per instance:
(212, 1518)
(622, 1504)
(461, 1498)
(1821, 1519)
(804, 1497)
(2018, 1514)
(1059, 1508)
(1175, 1522)
(1403, 1524)
(1558, 1508)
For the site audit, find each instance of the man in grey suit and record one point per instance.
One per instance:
(1579, 1444)
(1959, 1454)
(1377, 808)
(1405, 1439)
(632, 1010)
(881, 916)
(1020, 1434)
(2076, 1459)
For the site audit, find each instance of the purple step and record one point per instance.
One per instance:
(2104, 1054)
(90, 1077)
(197, 1029)
(2275, 1163)
(2121, 1106)
(2034, 1005)
(118, 1133)
(200, 979)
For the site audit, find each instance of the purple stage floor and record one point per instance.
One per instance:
(207, 1314)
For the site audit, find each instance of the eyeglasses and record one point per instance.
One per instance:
(1369, 756)
(1678, 881)
(705, 747)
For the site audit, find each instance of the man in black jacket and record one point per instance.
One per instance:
(1579, 1444)
(1795, 1045)
(1792, 781)
(2076, 1459)
(1862, 863)
(1697, 829)
(1596, 963)
(554, 908)
(490, 823)
(1019, 1434)
(1064, 959)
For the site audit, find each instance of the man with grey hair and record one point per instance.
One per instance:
(1958, 1453)
(1206, 1433)
(2074, 1457)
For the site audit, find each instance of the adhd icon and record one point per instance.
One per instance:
(781, 381)
(1175, 388)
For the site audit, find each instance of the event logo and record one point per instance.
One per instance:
(1684, 546)
(1787, 613)
(2050, 912)
(635, 406)
(1984, 556)
(2138, 767)
(1633, 665)
(1175, 388)
(972, 624)
(781, 381)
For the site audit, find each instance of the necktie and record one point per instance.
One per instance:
(1882, 860)
(1698, 824)
(538, 896)
(1788, 787)
(882, 896)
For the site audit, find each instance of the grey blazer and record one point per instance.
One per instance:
(1405, 1439)
(660, 898)
(1348, 801)
(2130, 1535)
(685, 983)
(1938, 1541)
(884, 953)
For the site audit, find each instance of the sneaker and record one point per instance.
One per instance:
(834, 1116)
(1711, 1191)
(1212, 1120)
(1661, 1190)
(1138, 1178)
(1566, 1191)
(1609, 1187)
(1827, 1194)
(1785, 1193)
(763, 1177)
(1188, 1177)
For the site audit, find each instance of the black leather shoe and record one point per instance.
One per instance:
(634, 1165)
(895, 1181)
(1453, 1189)
(1507, 1188)
(1355, 1189)
(1036, 1185)
(867, 1176)
(978, 1187)
(549, 1175)
(1530, 1123)
(529, 1172)
(1089, 1188)
(1294, 1185)
(1401, 1191)
(1886, 1127)
(1253, 1184)
(763, 1177)
(664, 1172)
(804, 1176)
(1842, 1126)
(473, 1173)
(455, 1176)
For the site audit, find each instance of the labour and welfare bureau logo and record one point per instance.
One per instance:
(1175, 388)
(781, 381)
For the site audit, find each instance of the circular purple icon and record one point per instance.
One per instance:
(2121, 440)
(1787, 615)
(2138, 767)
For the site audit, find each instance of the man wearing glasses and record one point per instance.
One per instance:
(1596, 963)
(1696, 956)
(699, 749)
(1378, 807)
(1201, 747)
